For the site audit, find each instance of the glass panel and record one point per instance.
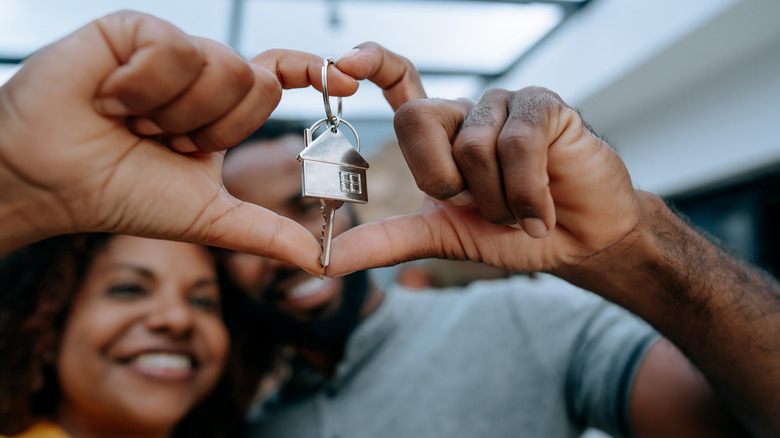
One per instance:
(482, 37)
(462, 39)
(26, 25)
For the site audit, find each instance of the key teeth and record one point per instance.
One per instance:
(322, 236)
(324, 225)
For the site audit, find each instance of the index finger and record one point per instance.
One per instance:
(424, 128)
(394, 74)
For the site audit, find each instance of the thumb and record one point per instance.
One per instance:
(252, 229)
(385, 243)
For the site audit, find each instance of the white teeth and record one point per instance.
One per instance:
(307, 288)
(167, 361)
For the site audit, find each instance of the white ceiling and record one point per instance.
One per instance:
(458, 42)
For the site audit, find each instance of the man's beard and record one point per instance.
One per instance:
(325, 333)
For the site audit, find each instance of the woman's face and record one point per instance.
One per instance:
(144, 341)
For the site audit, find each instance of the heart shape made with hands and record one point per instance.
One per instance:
(115, 93)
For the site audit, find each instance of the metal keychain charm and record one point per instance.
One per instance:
(333, 169)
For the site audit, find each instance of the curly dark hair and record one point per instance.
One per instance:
(37, 286)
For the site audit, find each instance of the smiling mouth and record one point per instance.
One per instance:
(307, 288)
(164, 365)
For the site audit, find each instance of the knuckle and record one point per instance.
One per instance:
(268, 85)
(540, 93)
(485, 111)
(187, 53)
(532, 104)
(498, 94)
(242, 76)
(413, 113)
(472, 151)
(480, 115)
(518, 138)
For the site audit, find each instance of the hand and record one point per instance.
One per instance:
(526, 158)
(114, 128)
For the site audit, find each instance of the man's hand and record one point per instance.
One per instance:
(516, 181)
(115, 127)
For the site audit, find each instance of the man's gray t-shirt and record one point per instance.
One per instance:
(507, 358)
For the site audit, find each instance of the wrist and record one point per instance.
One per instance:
(665, 271)
(639, 269)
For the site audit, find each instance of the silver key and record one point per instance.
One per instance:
(329, 207)
(333, 169)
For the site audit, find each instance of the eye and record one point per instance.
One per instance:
(126, 290)
(206, 303)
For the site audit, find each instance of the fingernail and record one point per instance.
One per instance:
(348, 53)
(111, 106)
(146, 126)
(318, 274)
(534, 227)
(461, 199)
(182, 144)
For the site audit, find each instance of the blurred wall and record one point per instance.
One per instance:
(687, 92)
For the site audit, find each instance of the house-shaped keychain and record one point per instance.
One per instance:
(332, 167)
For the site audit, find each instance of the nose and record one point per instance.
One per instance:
(171, 315)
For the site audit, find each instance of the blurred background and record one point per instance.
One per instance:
(686, 91)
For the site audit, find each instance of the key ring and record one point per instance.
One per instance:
(333, 121)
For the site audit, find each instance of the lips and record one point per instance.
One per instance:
(164, 365)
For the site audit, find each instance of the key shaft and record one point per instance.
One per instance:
(329, 207)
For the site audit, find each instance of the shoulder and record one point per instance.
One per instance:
(42, 430)
(516, 301)
(541, 306)
(539, 290)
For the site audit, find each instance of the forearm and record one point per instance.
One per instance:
(723, 314)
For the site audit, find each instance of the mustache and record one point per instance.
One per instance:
(274, 290)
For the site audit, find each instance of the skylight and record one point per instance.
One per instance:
(455, 44)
